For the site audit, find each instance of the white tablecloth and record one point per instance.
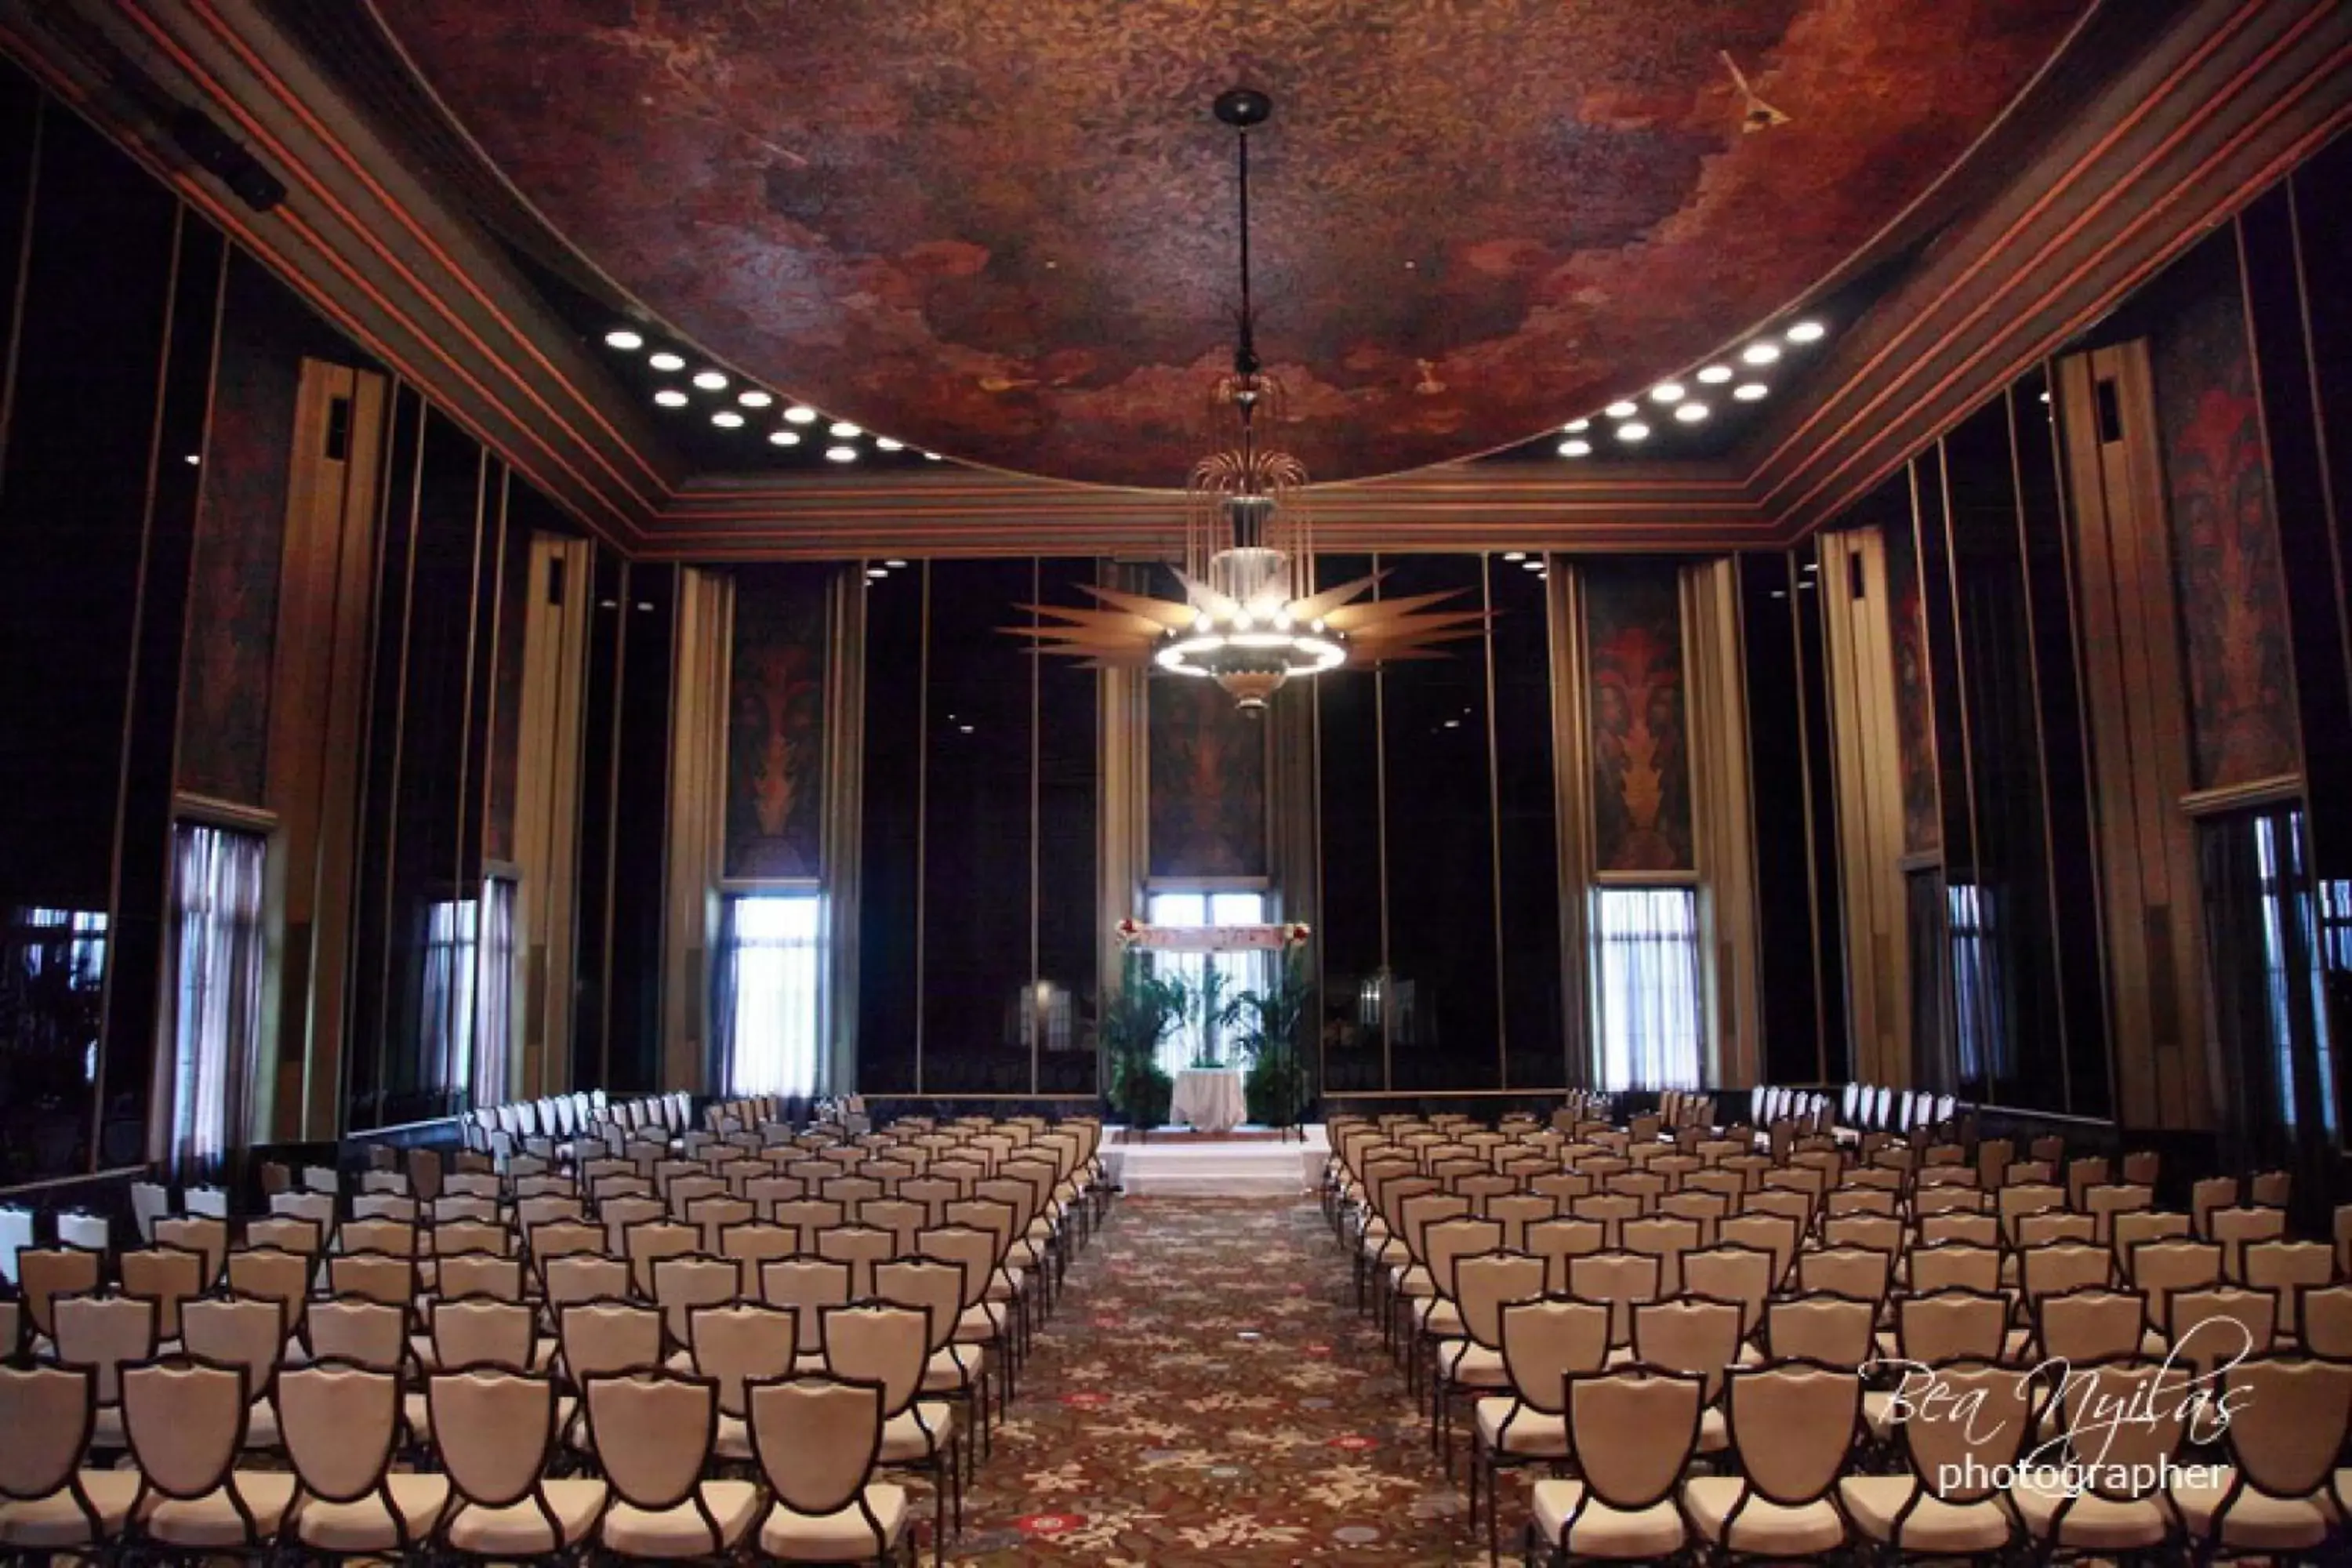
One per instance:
(1208, 1100)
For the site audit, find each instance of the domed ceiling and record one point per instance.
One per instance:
(1005, 232)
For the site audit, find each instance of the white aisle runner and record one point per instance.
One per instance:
(1176, 1166)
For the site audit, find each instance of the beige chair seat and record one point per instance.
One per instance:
(680, 1531)
(1604, 1532)
(1874, 1502)
(2256, 1521)
(261, 1426)
(1412, 1280)
(52, 1522)
(1440, 1317)
(520, 1530)
(212, 1521)
(1763, 1526)
(106, 1430)
(2101, 1524)
(904, 1439)
(842, 1537)
(1471, 1364)
(1714, 1430)
(732, 1438)
(1878, 1413)
(978, 1325)
(954, 1367)
(365, 1524)
(1531, 1433)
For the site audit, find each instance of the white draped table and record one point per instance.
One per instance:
(1208, 1100)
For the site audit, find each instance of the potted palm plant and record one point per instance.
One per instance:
(1136, 1018)
(1267, 1025)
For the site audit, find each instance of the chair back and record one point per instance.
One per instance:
(1793, 1425)
(1952, 1325)
(339, 1424)
(652, 1436)
(816, 1439)
(2290, 1424)
(1633, 1433)
(744, 1342)
(1835, 1331)
(185, 1422)
(494, 1429)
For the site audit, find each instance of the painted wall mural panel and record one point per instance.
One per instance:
(775, 739)
(1208, 782)
(2225, 549)
(240, 536)
(1641, 760)
(1915, 701)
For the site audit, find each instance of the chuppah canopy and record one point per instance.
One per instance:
(1271, 938)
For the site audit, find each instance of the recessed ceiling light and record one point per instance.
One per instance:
(665, 361)
(1514, 555)
(2046, 397)
(1667, 392)
(877, 572)
(801, 414)
(753, 397)
(884, 444)
(195, 458)
(1691, 413)
(670, 397)
(709, 380)
(1577, 426)
(1621, 410)
(726, 420)
(622, 338)
(1715, 375)
(1575, 448)
(785, 437)
(1535, 565)
(965, 728)
(842, 454)
(1807, 333)
(930, 456)
(1759, 353)
(893, 564)
(1632, 432)
(842, 429)
(1749, 391)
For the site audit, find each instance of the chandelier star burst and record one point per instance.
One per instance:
(1251, 619)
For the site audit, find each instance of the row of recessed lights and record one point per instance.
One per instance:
(1689, 407)
(797, 417)
(1528, 562)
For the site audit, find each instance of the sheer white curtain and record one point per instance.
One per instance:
(1239, 972)
(769, 993)
(217, 954)
(493, 1035)
(444, 1012)
(1645, 969)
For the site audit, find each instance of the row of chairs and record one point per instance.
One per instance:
(1528, 1336)
(549, 1272)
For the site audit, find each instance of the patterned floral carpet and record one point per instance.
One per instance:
(1207, 1394)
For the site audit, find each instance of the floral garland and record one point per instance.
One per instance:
(1131, 931)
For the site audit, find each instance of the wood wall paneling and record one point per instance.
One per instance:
(2135, 690)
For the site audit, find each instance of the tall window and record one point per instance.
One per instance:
(217, 952)
(1979, 1017)
(493, 1038)
(447, 989)
(1646, 983)
(770, 979)
(1196, 1040)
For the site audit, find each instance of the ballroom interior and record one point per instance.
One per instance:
(1157, 583)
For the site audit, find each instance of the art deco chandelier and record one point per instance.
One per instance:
(1251, 619)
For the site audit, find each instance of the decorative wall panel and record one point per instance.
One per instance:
(1641, 764)
(1208, 783)
(240, 521)
(1914, 702)
(2224, 540)
(775, 738)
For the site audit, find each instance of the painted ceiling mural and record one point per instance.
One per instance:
(1006, 232)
